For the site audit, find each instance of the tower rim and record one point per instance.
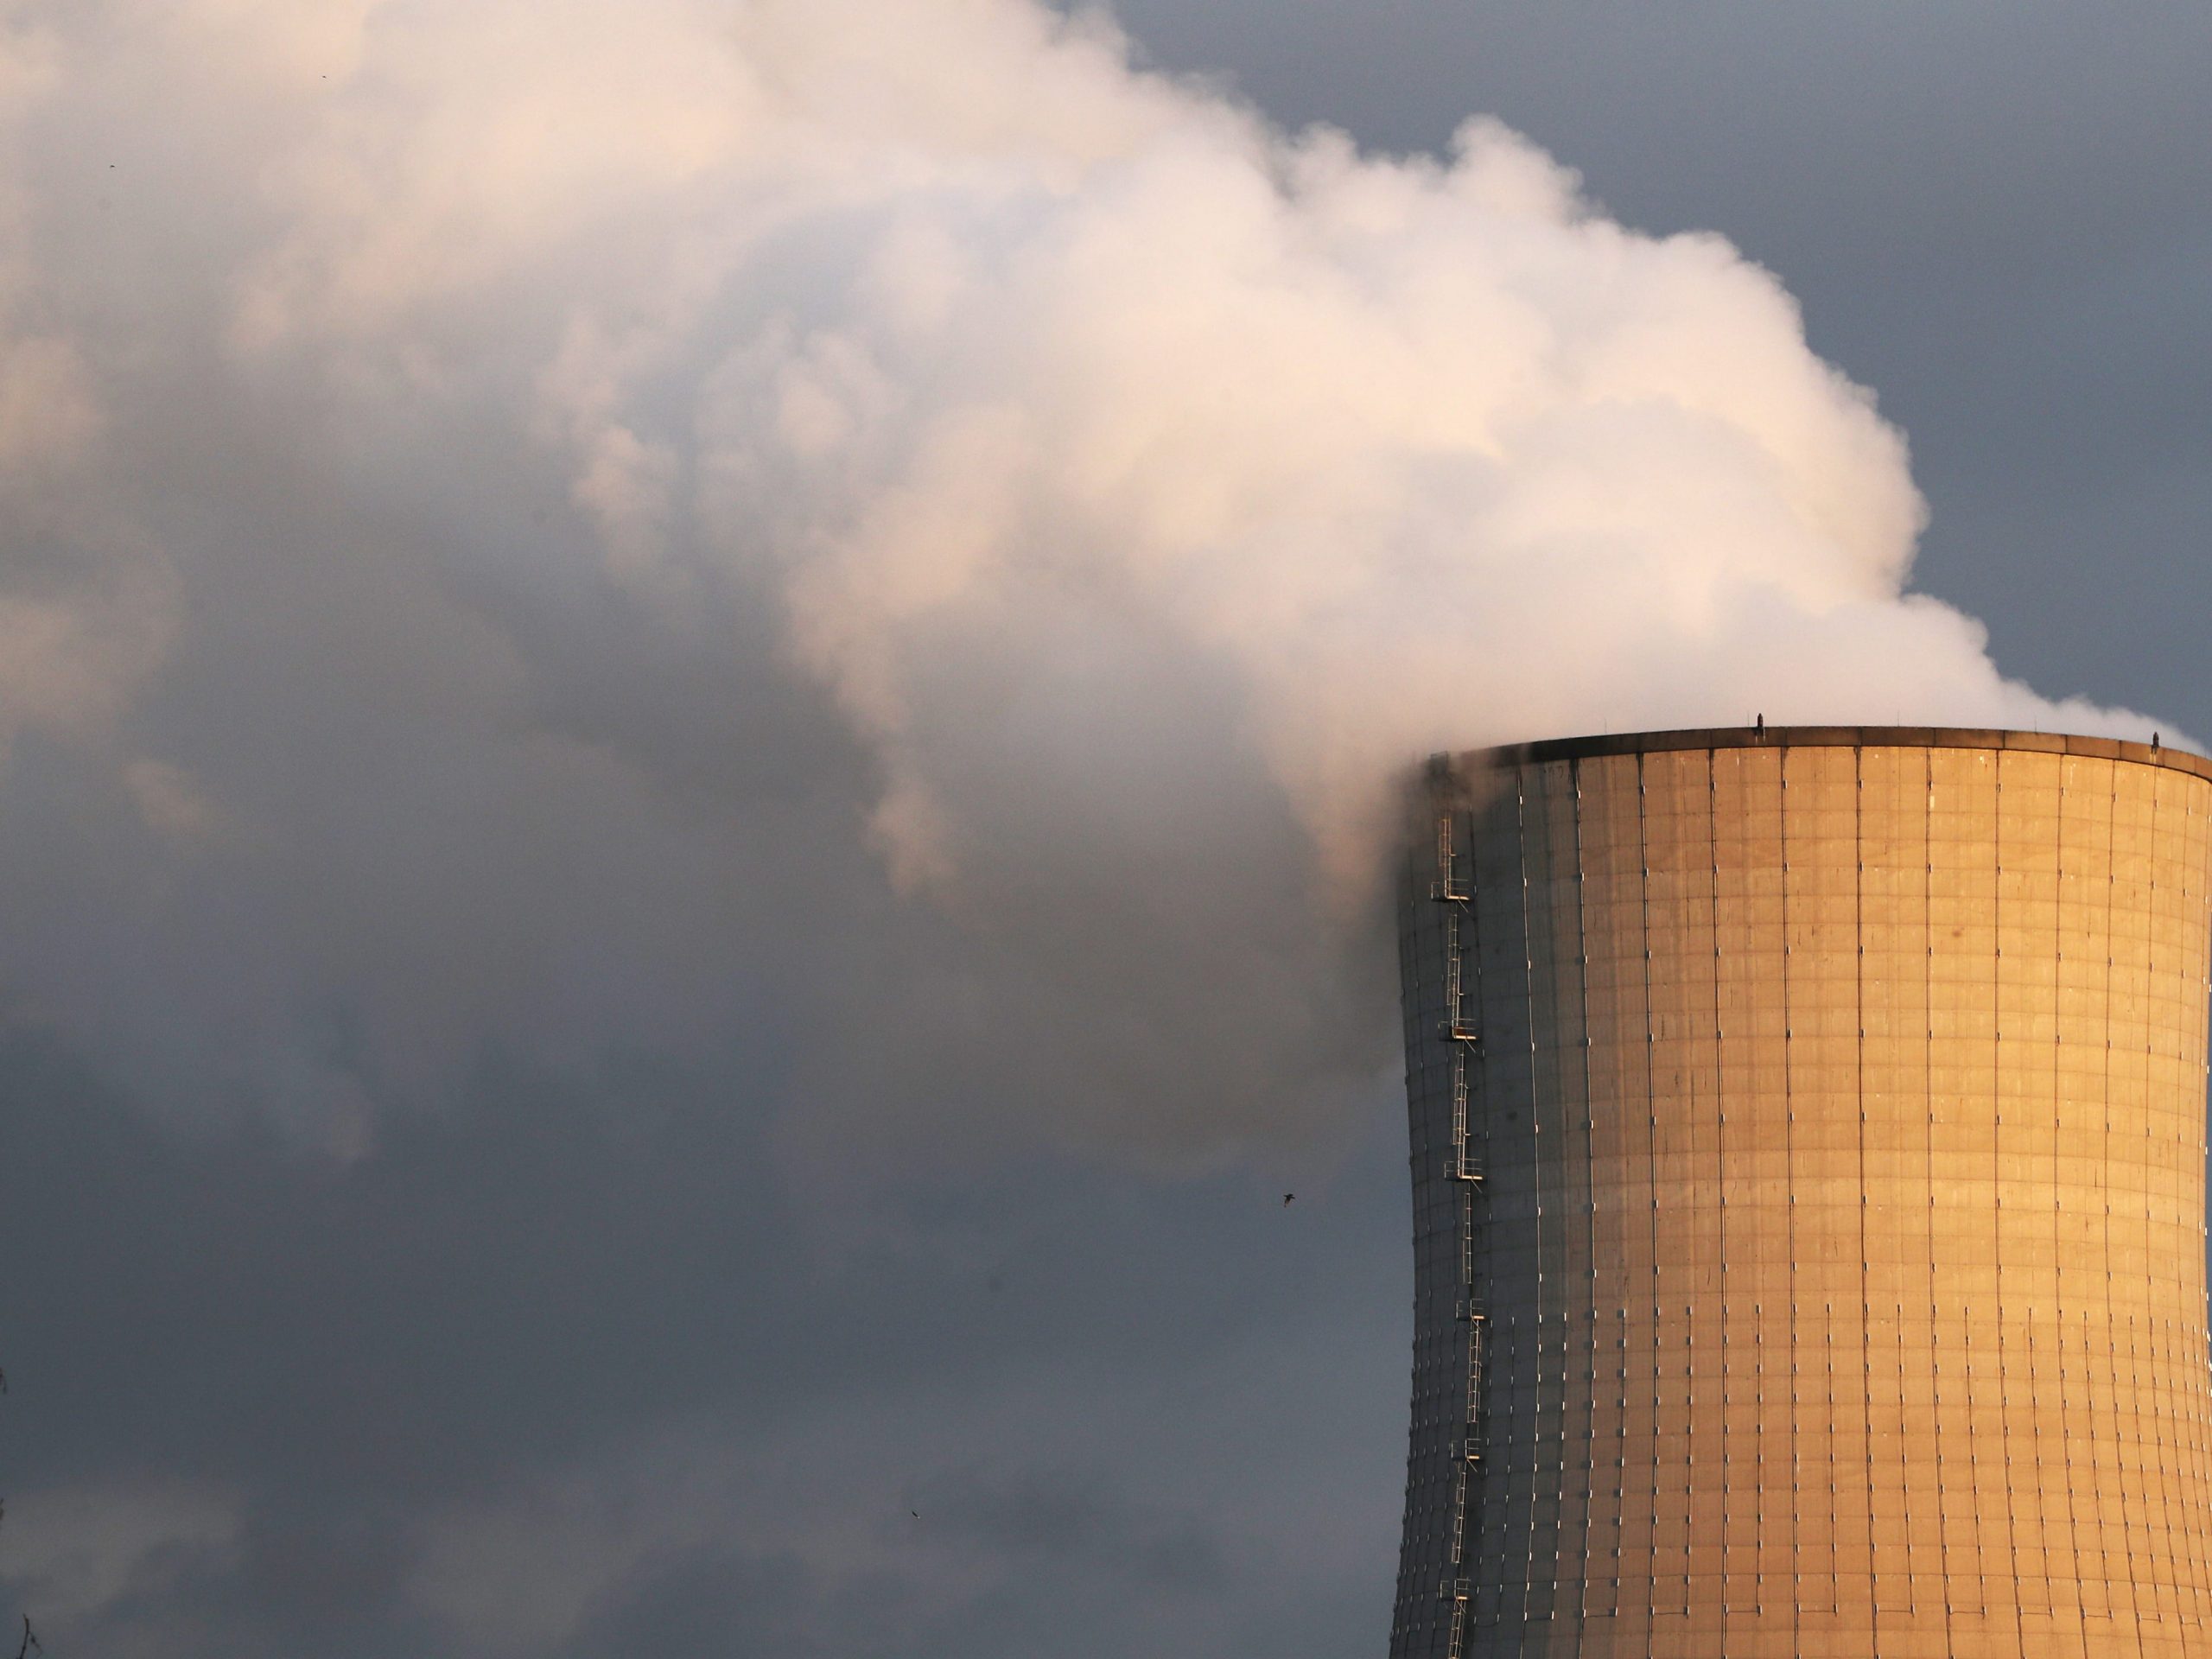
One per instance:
(1804, 737)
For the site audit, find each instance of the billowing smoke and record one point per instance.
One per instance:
(870, 536)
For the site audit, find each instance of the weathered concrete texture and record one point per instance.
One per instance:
(1834, 1280)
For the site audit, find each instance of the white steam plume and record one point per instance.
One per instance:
(1144, 487)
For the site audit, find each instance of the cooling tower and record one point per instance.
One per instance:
(1808, 1182)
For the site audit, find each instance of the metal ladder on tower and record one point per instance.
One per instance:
(1466, 1171)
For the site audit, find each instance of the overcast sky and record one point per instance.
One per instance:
(519, 1133)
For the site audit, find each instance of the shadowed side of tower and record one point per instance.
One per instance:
(1808, 1132)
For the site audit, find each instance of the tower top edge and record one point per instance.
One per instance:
(1825, 737)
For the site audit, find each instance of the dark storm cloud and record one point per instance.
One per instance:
(488, 1164)
(561, 1362)
(1050, 1515)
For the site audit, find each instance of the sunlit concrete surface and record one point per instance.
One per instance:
(1808, 1163)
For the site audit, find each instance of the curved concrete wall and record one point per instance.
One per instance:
(1809, 1177)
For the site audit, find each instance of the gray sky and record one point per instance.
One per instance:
(488, 1163)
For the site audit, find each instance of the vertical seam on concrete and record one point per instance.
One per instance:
(1409, 994)
(1582, 989)
(1521, 832)
(1474, 1364)
(1650, 1184)
(2148, 1359)
(2193, 1358)
(2104, 1205)
(1865, 1388)
(1460, 1356)
(2057, 1202)
(2172, 1491)
(1928, 1117)
(2196, 1356)
(1720, 1169)
(2140, 1506)
(1586, 1290)
(1545, 1280)
(1790, 1194)
(2190, 1360)
(1905, 1504)
(2135, 1355)
(2001, 1312)
(1478, 1478)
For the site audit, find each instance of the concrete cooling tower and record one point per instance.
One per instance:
(1808, 1182)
